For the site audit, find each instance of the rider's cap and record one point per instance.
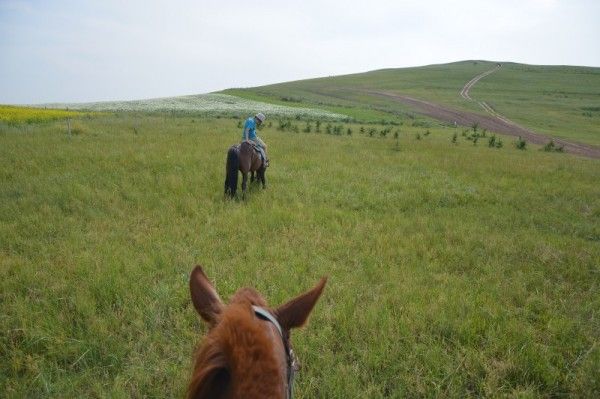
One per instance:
(261, 117)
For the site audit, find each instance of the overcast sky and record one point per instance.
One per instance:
(128, 49)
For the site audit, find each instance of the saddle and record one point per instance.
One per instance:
(261, 152)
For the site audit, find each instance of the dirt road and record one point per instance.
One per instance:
(464, 93)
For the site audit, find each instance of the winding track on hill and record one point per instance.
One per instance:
(464, 93)
(494, 122)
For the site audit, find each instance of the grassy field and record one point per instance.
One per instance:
(557, 100)
(455, 270)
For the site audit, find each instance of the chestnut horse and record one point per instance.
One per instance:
(247, 351)
(244, 158)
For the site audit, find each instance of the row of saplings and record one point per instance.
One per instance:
(333, 129)
(474, 134)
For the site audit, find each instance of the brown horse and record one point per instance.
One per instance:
(247, 352)
(244, 158)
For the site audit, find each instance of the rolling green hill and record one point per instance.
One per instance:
(563, 101)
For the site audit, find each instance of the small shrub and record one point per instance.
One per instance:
(454, 138)
(483, 132)
(307, 128)
(427, 133)
(521, 144)
(475, 126)
(318, 126)
(239, 124)
(349, 132)
(78, 129)
(551, 147)
(418, 137)
(371, 132)
(499, 143)
(284, 125)
(492, 141)
(362, 130)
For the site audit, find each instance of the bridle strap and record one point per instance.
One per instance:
(264, 313)
(292, 363)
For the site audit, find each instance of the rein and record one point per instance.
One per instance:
(291, 360)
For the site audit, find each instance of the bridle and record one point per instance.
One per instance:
(292, 362)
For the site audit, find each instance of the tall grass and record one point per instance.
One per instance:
(454, 270)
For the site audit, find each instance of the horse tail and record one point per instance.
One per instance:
(231, 171)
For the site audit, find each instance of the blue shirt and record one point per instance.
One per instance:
(251, 126)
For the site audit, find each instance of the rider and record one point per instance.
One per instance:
(249, 133)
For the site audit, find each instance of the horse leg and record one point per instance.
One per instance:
(244, 183)
(252, 178)
(231, 171)
(261, 174)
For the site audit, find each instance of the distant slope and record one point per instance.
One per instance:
(563, 101)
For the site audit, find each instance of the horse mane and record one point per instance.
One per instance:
(236, 354)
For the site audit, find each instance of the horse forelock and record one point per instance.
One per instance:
(245, 346)
(248, 295)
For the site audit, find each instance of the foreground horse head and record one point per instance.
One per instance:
(247, 351)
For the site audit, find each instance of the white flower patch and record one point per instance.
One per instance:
(201, 103)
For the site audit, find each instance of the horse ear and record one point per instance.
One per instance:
(204, 297)
(295, 312)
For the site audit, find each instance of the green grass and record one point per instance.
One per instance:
(555, 100)
(455, 270)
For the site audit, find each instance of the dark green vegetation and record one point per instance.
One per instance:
(455, 270)
(556, 100)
